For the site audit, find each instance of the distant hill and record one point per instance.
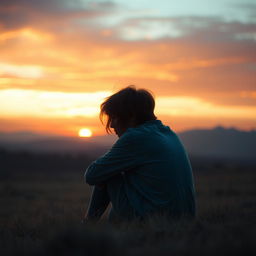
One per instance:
(38, 143)
(218, 142)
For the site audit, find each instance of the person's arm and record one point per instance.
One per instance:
(98, 204)
(123, 156)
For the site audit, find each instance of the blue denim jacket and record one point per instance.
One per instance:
(147, 170)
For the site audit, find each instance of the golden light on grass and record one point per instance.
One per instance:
(85, 132)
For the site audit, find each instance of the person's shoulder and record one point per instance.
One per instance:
(131, 139)
(154, 128)
(142, 132)
(146, 131)
(133, 134)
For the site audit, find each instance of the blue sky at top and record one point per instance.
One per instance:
(144, 19)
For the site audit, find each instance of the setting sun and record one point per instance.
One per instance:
(85, 132)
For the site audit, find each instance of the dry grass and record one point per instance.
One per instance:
(41, 211)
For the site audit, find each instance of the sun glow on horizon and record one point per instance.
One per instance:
(74, 105)
(43, 103)
(85, 132)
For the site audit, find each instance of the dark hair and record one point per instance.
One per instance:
(128, 104)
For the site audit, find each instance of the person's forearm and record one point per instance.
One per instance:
(98, 203)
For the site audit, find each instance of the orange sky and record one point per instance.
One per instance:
(58, 62)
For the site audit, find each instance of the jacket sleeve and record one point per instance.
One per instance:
(123, 156)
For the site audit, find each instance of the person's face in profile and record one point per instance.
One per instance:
(118, 127)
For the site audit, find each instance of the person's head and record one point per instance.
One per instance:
(127, 108)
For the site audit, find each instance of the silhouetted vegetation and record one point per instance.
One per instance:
(28, 161)
(41, 209)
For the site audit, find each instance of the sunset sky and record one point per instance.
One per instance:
(59, 59)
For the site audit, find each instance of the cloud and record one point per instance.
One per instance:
(249, 8)
(33, 103)
(21, 71)
(199, 28)
(49, 14)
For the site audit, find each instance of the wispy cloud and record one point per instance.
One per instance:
(49, 13)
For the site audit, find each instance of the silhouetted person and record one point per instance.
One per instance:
(147, 170)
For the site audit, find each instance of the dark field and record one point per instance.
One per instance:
(41, 211)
